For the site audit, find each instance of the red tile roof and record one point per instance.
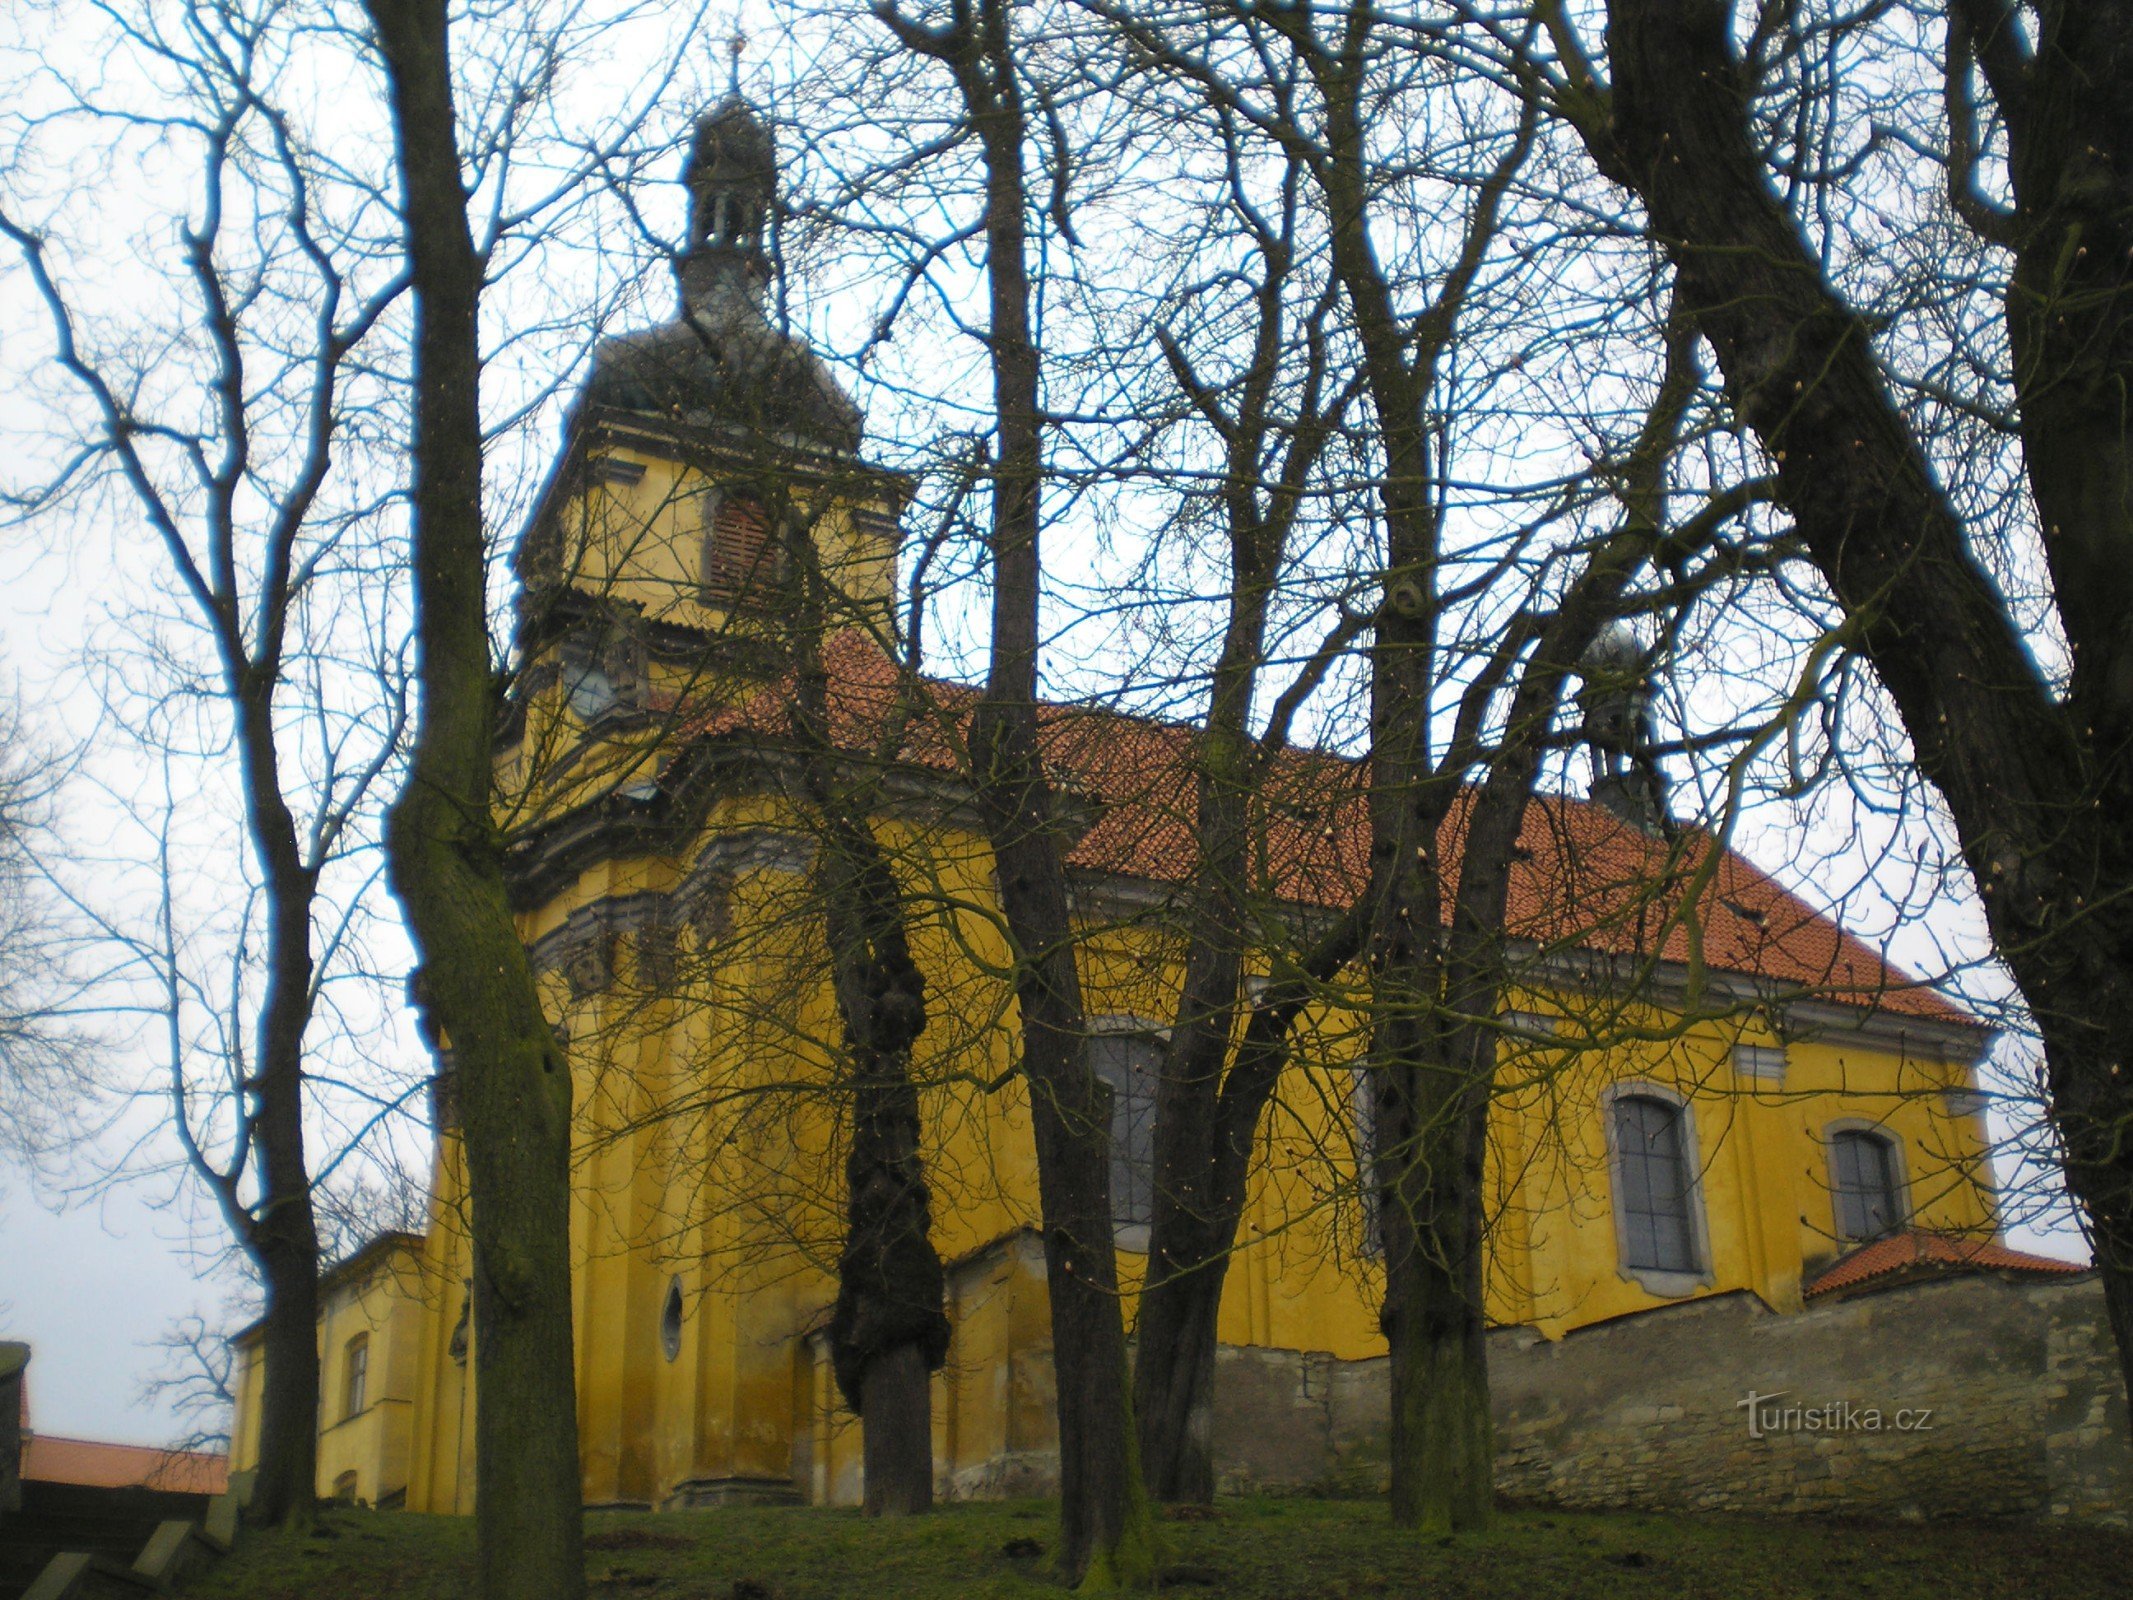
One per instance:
(1586, 880)
(1918, 1252)
(50, 1458)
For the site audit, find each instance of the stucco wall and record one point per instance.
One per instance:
(1991, 1398)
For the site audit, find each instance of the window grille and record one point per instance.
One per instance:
(1656, 1190)
(1129, 1063)
(358, 1365)
(1862, 1170)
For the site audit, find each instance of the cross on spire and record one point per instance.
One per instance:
(734, 46)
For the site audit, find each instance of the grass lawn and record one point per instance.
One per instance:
(1247, 1549)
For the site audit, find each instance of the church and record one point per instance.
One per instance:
(1732, 1101)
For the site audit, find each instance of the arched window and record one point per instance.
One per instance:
(1862, 1172)
(1654, 1185)
(356, 1369)
(1129, 1062)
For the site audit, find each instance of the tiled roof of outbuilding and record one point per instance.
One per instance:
(1916, 1251)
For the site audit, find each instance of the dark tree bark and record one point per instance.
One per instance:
(282, 1236)
(2038, 781)
(1430, 1082)
(1203, 1167)
(888, 1333)
(1106, 1537)
(513, 1083)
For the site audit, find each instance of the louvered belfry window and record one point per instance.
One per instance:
(740, 558)
(1863, 1170)
(1656, 1189)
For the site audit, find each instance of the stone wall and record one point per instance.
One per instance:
(1965, 1395)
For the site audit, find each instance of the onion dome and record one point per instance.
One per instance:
(720, 364)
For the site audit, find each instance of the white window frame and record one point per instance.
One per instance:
(1666, 1285)
(1761, 1063)
(355, 1376)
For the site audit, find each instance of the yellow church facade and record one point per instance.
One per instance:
(1704, 1086)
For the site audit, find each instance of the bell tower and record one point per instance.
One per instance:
(732, 178)
(710, 467)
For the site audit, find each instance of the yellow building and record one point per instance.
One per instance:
(1666, 1127)
(372, 1311)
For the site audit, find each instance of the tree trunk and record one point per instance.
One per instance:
(2038, 787)
(1106, 1535)
(1214, 1087)
(1174, 1360)
(1443, 1455)
(281, 1234)
(285, 1485)
(888, 1332)
(513, 1082)
(896, 1431)
(1190, 1230)
(1174, 1381)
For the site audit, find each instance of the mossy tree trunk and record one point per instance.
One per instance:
(1106, 1533)
(513, 1086)
(2036, 772)
(1424, 1101)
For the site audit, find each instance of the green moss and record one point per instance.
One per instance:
(1275, 1549)
(1131, 1563)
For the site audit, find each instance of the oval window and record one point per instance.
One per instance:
(670, 1321)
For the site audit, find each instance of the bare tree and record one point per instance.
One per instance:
(230, 477)
(1473, 640)
(889, 1332)
(1267, 382)
(1727, 128)
(1106, 1536)
(43, 1054)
